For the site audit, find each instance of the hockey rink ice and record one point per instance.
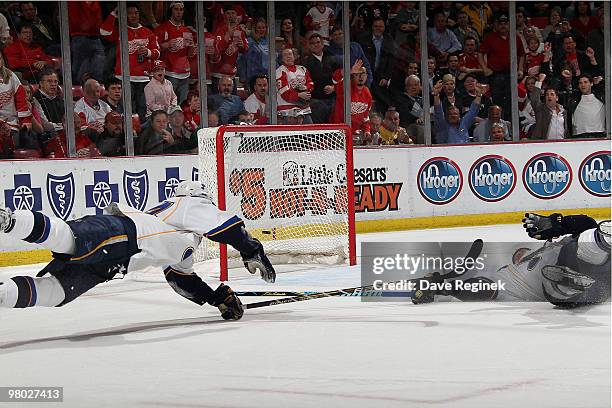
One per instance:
(138, 344)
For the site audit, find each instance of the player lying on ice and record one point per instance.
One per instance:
(93, 249)
(571, 272)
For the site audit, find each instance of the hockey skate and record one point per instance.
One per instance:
(228, 303)
(5, 218)
(260, 261)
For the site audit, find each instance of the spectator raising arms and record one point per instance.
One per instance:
(551, 121)
(177, 46)
(450, 126)
(142, 50)
(587, 110)
(361, 102)
(159, 93)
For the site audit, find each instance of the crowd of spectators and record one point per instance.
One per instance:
(559, 54)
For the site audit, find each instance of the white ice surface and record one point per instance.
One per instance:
(138, 344)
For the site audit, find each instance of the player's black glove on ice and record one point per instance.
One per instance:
(544, 227)
(228, 303)
(421, 296)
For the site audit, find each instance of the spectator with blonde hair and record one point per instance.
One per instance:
(13, 106)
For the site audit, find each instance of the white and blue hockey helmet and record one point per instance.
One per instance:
(189, 188)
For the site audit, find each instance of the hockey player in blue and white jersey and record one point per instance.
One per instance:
(192, 209)
(570, 272)
(93, 249)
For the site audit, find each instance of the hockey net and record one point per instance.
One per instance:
(291, 186)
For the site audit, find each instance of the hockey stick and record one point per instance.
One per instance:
(473, 253)
(304, 293)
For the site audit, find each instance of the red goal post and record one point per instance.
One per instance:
(292, 185)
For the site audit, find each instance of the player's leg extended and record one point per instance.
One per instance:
(189, 285)
(251, 250)
(35, 227)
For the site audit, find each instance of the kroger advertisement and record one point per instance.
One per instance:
(389, 183)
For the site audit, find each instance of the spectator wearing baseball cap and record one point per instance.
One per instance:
(184, 140)
(111, 142)
(159, 92)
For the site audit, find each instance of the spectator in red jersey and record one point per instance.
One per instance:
(25, 56)
(534, 57)
(13, 105)
(256, 102)
(87, 51)
(159, 93)
(211, 50)
(294, 86)
(468, 60)
(494, 57)
(231, 41)
(57, 147)
(584, 22)
(143, 49)
(192, 111)
(45, 33)
(177, 45)
(320, 19)
(361, 102)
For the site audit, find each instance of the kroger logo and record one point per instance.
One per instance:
(439, 180)
(492, 178)
(595, 174)
(547, 175)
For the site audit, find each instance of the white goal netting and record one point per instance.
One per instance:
(289, 185)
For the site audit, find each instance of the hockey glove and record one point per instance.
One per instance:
(563, 285)
(228, 303)
(544, 227)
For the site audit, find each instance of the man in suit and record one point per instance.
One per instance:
(379, 49)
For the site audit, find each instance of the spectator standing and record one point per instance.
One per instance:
(587, 110)
(44, 33)
(379, 49)
(320, 19)
(336, 48)
(584, 22)
(114, 94)
(494, 58)
(551, 121)
(142, 50)
(463, 30)
(554, 23)
(159, 92)
(576, 61)
(231, 41)
(49, 97)
(361, 102)
(87, 51)
(468, 60)
(442, 38)
(94, 109)
(255, 61)
(256, 102)
(595, 38)
(111, 142)
(469, 94)
(294, 86)
(25, 56)
(177, 45)
(224, 102)
(479, 14)
(450, 126)
(321, 66)
(482, 133)
(291, 37)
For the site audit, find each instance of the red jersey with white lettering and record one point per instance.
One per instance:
(361, 104)
(137, 37)
(13, 106)
(179, 39)
(289, 82)
(229, 51)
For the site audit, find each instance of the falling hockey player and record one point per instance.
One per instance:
(571, 272)
(93, 249)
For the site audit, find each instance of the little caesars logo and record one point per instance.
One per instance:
(373, 191)
(547, 176)
(595, 174)
(492, 178)
(439, 180)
